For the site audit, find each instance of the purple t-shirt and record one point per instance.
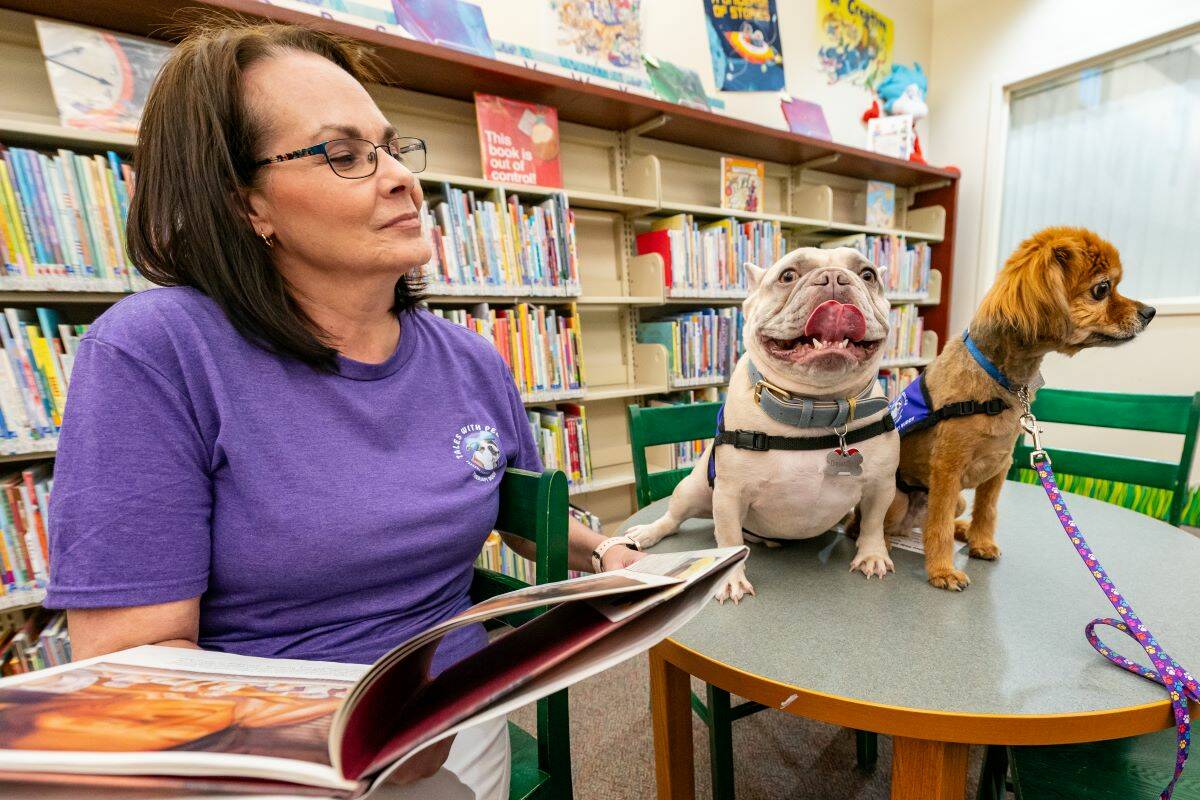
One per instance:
(316, 516)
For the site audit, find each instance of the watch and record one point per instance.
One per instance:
(608, 544)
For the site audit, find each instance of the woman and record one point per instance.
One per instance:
(276, 455)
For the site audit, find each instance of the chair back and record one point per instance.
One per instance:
(1177, 414)
(535, 506)
(649, 427)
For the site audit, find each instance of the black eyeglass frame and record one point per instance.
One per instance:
(322, 149)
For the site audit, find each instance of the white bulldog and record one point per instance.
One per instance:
(816, 326)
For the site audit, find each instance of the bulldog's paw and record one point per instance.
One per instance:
(950, 578)
(645, 535)
(988, 552)
(873, 564)
(734, 588)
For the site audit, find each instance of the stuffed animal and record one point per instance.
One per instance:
(902, 92)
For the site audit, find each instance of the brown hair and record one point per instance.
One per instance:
(188, 220)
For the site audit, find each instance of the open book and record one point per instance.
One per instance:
(173, 718)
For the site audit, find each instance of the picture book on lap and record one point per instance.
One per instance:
(171, 718)
(518, 142)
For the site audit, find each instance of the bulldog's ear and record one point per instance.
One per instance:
(754, 275)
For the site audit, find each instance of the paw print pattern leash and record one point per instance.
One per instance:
(1167, 671)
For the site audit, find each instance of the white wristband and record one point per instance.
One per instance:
(608, 544)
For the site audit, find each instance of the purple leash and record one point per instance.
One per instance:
(1167, 671)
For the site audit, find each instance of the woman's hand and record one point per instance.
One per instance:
(619, 557)
(423, 765)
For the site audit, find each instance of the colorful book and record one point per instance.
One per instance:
(880, 204)
(742, 184)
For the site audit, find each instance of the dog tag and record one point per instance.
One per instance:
(844, 462)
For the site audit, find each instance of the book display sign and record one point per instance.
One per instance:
(100, 80)
(518, 142)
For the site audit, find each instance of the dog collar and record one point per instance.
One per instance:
(802, 412)
(992, 370)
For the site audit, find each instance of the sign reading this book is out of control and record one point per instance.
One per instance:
(518, 142)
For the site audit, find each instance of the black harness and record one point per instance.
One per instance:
(759, 441)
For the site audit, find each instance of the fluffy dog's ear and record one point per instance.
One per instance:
(754, 275)
(1029, 296)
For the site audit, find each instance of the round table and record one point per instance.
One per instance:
(1003, 662)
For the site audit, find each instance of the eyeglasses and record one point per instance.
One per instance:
(356, 158)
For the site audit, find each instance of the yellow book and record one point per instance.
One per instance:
(526, 322)
(14, 211)
(44, 360)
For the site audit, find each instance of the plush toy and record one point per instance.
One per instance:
(902, 92)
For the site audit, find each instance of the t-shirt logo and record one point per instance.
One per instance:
(479, 446)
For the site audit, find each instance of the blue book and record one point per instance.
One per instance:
(29, 217)
(45, 200)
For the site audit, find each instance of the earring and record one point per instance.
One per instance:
(268, 239)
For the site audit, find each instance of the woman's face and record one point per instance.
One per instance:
(319, 220)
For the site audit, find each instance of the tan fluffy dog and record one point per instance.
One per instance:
(1056, 293)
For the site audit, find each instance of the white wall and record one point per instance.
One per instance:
(978, 48)
(675, 30)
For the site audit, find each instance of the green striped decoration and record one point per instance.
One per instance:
(1152, 502)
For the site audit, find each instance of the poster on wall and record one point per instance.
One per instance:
(854, 41)
(743, 37)
(608, 32)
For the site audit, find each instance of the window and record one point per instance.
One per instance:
(1114, 148)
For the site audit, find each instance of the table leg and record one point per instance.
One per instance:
(671, 710)
(925, 770)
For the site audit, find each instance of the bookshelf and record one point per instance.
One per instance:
(626, 160)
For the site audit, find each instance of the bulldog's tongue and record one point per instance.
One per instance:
(833, 321)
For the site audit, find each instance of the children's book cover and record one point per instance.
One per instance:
(518, 142)
(100, 80)
(805, 118)
(449, 23)
(881, 204)
(891, 136)
(742, 184)
(676, 84)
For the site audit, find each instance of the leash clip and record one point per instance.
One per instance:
(1029, 424)
(1039, 454)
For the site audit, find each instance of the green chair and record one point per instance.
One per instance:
(534, 507)
(650, 427)
(1141, 765)
(1177, 414)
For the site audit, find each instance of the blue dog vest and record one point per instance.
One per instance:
(912, 408)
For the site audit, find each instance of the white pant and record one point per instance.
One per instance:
(476, 769)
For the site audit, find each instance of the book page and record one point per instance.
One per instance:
(689, 566)
(171, 711)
